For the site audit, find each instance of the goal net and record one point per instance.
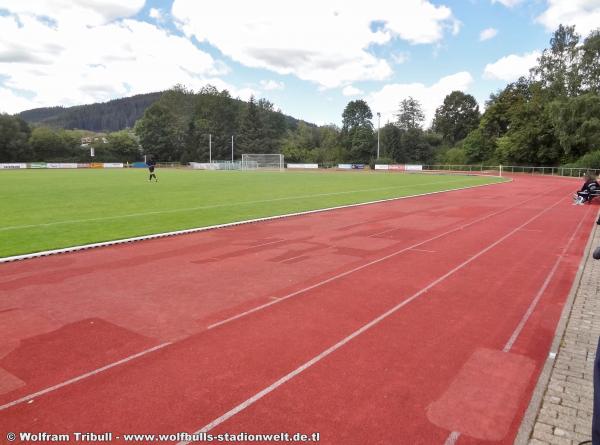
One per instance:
(252, 161)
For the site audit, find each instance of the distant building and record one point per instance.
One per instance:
(89, 139)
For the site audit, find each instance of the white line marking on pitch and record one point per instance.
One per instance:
(81, 377)
(228, 225)
(454, 435)
(356, 269)
(424, 250)
(214, 206)
(250, 401)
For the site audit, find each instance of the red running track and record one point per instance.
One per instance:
(418, 321)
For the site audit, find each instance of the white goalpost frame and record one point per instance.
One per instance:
(265, 161)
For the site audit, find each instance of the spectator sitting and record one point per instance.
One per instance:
(587, 189)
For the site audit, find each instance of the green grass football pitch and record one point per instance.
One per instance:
(50, 209)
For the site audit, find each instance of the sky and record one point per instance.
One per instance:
(309, 58)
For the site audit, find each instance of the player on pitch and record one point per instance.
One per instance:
(151, 166)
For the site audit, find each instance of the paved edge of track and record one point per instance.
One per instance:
(530, 416)
(219, 226)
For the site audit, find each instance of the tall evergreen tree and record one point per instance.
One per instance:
(250, 134)
(391, 143)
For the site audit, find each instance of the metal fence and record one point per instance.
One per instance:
(533, 170)
(171, 165)
(478, 168)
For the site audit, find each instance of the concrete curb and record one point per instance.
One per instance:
(218, 226)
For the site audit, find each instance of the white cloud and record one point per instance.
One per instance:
(88, 12)
(508, 3)
(242, 93)
(510, 68)
(487, 34)
(584, 14)
(155, 13)
(400, 58)
(271, 85)
(323, 42)
(12, 103)
(72, 63)
(351, 91)
(387, 100)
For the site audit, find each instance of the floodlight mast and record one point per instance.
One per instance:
(378, 123)
(210, 148)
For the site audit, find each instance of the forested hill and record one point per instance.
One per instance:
(109, 116)
(115, 115)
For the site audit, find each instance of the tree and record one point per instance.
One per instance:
(558, 66)
(456, 117)
(123, 146)
(455, 156)
(361, 145)
(391, 143)
(159, 134)
(329, 149)
(590, 63)
(356, 114)
(48, 145)
(215, 113)
(273, 125)
(410, 115)
(250, 135)
(14, 139)
(577, 124)
(501, 108)
(357, 131)
(419, 146)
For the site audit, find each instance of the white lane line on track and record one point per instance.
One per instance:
(82, 376)
(452, 438)
(538, 296)
(134, 356)
(250, 401)
(142, 353)
(384, 232)
(454, 435)
(293, 258)
(363, 266)
(266, 244)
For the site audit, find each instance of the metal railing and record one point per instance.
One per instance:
(533, 170)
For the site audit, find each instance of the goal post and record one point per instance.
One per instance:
(254, 161)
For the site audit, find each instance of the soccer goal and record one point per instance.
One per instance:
(251, 161)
